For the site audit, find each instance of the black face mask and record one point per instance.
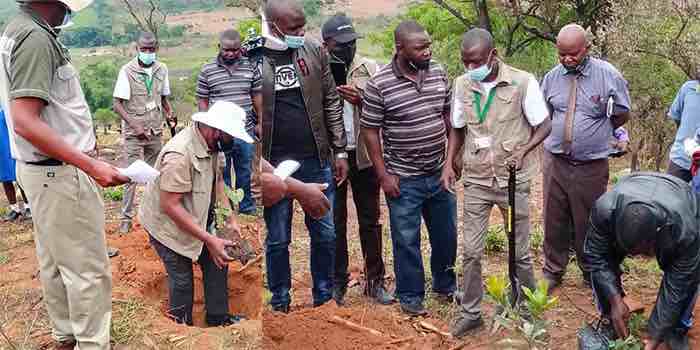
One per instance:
(420, 65)
(577, 68)
(223, 146)
(345, 53)
(229, 61)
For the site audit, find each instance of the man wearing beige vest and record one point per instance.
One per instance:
(499, 116)
(51, 137)
(140, 99)
(175, 211)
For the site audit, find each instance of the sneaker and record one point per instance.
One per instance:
(339, 290)
(462, 326)
(225, 321)
(112, 252)
(281, 308)
(414, 309)
(12, 215)
(677, 341)
(380, 296)
(125, 227)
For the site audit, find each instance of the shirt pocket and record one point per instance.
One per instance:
(508, 98)
(66, 85)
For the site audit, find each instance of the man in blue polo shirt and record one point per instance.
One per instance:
(685, 111)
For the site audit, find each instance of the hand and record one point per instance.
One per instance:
(652, 344)
(516, 159)
(457, 167)
(217, 250)
(258, 131)
(274, 189)
(350, 94)
(342, 167)
(313, 200)
(619, 315)
(390, 185)
(448, 178)
(171, 120)
(105, 174)
(140, 132)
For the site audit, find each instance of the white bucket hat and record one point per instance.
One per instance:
(227, 117)
(76, 5)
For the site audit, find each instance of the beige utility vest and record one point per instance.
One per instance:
(505, 127)
(145, 105)
(191, 145)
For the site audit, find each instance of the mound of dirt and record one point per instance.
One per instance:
(139, 272)
(333, 327)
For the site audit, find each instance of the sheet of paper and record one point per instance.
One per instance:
(286, 168)
(140, 172)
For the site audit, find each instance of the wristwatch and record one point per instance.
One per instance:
(341, 155)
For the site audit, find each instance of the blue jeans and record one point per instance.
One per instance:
(423, 196)
(242, 158)
(278, 219)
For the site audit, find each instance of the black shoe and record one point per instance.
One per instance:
(27, 214)
(225, 321)
(462, 326)
(677, 341)
(281, 308)
(12, 215)
(414, 309)
(380, 296)
(339, 290)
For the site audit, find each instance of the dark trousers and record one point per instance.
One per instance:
(278, 219)
(181, 285)
(679, 172)
(365, 194)
(570, 190)
(423, 196)
(241, 158)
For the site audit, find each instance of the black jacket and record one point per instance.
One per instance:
(677, 247)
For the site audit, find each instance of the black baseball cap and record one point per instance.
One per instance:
(340, 29)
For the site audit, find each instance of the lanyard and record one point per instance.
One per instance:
(148, 80)
(481, 113)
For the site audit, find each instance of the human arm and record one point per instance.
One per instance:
(622, 103)
(537, 113)
(310, 196)
(675, 112)
(202, 92)
(454, 143)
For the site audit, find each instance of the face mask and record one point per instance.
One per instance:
(345, 53)
(223, 146)
(480, 73)
(147, 58)
(292, 41)
(67, 20)
(271, 41)
(577, 68)
(419, 65)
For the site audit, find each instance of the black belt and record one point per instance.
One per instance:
(47, 162)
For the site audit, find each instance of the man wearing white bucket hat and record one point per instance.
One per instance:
(175, 208)
(51, 137)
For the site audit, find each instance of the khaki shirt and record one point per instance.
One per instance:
(33, 63)
(145, 105)
(505, 127)
(186, 166)
(360, 71)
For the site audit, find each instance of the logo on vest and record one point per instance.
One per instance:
(286, 78)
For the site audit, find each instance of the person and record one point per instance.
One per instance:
(176, 206)
(8, 176)
(588, 98)
(52, 139)
(683, 112)
(408, 100)
(650, 214)
(232, 77)
(497, 133)
(302, 120)
(339, 38)
(310, 195)
(140, 99)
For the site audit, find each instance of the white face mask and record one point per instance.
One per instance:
(67, 21)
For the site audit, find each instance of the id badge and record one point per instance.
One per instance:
(482, 142)
(151, 106)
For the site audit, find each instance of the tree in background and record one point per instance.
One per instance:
(148, 15)
(106, 118)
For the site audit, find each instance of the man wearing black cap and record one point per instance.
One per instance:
(654, 215)
(351, 73)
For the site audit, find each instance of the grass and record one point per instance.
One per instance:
(114, 194)
(128, 321)
(496, 240)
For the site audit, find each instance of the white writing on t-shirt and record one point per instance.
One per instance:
(286, 78)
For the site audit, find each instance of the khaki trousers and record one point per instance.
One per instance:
(478, 202)
(68, 216)
(135, 149)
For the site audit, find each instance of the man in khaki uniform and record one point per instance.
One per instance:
(175, 210)
(51, 134)
(140, 98)
(499, 116)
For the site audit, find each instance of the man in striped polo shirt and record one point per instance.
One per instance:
(232, 77)
(408, 100)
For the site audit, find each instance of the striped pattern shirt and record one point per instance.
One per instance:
(218, 83)
(411, 118)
